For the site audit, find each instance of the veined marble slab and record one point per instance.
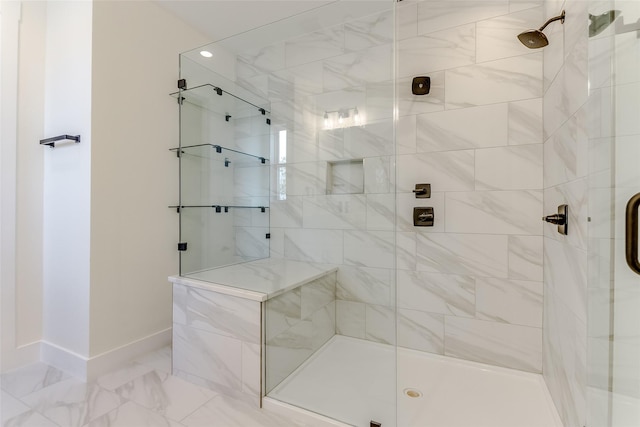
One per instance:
(256, 280)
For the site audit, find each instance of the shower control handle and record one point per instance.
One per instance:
(422, 191)
(560, 219)
(423, 217)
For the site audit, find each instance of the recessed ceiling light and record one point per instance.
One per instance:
(206, 53)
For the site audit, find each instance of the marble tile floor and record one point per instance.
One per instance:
(142, 393)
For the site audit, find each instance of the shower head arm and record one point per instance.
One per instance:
(557, 18)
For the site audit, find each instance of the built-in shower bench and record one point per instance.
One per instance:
(228, 320)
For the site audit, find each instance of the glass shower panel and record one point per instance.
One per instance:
(328, 77)
(625, 409)
(614, 288)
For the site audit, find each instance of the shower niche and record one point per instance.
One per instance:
(224, 178)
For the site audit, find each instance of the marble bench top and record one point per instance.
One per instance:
(256, 280)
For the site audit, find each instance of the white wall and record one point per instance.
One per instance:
(30, 172)
(67, 184)
(87, 239)
(22, 171)
(9, 48)
(134, 176)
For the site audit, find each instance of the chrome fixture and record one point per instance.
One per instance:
(423, 217)
(422, 191)
(560, 219)
(535, 39)
(598, 23)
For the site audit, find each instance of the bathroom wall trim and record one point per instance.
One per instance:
(64, 359)
(90, 368)
(109, 360)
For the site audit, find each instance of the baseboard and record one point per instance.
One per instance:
(112, 359)
(88, 369)
(66, 360)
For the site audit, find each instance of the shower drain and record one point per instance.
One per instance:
(412, 392)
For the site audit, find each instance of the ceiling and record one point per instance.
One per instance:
(218, 19)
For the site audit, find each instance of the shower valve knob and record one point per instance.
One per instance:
(560, 219)
(557, 219)
(422, 191)
(423, 217)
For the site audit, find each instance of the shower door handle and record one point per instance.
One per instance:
(631, 233)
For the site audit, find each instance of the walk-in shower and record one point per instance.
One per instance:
(454, 324)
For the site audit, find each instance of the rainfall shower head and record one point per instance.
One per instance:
(597, 23)
(534, 39)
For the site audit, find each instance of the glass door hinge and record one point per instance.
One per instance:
(182, 246)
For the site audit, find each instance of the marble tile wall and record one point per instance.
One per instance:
(471, 286)
(477, 138)
(568, 173)
(297, 324)
(332, 186)
(217, 342)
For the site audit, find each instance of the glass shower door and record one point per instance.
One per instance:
(614, 285)
(625, 373)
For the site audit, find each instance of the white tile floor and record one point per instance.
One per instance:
(141, 394)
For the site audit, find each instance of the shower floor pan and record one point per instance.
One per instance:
(353, 381)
